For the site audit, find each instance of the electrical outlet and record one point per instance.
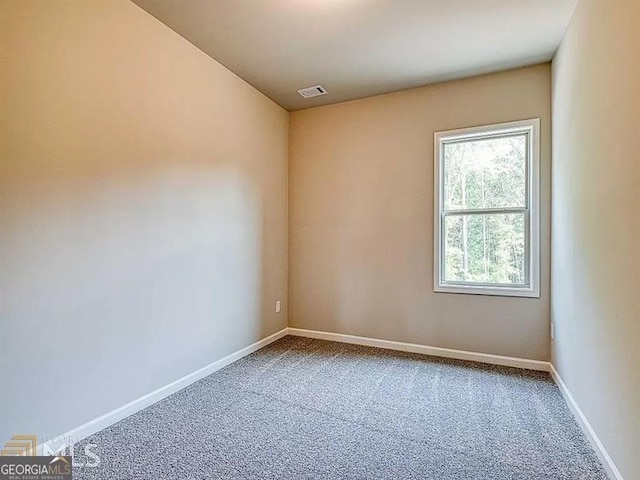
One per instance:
(553, 331)
(278, 308)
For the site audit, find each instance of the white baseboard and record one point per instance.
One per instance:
(606, 460)
(424, 349)
(108, 419)
(83, 431)
(588, 430)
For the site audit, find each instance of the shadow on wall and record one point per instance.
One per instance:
(122, 282)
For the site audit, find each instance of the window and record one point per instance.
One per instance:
(486, 222)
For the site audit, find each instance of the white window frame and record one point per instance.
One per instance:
(531, 128)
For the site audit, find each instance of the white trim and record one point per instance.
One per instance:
(590, 433)
(532, 211)
(424, 349)
(83, 431)
(588, 430)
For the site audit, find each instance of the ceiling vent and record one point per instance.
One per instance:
(312, 91)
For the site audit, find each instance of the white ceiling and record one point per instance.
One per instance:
(358, 48)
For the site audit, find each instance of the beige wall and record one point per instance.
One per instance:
(143, 220)
(596, 223)
(361, 217)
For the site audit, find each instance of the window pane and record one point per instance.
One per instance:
(485, 248)
(485, 173)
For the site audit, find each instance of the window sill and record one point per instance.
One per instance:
(488, 290)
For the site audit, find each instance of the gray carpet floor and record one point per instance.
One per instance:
(312, 409)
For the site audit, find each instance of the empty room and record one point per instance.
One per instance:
(319, 239)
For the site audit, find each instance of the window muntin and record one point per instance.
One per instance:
(486, 222)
